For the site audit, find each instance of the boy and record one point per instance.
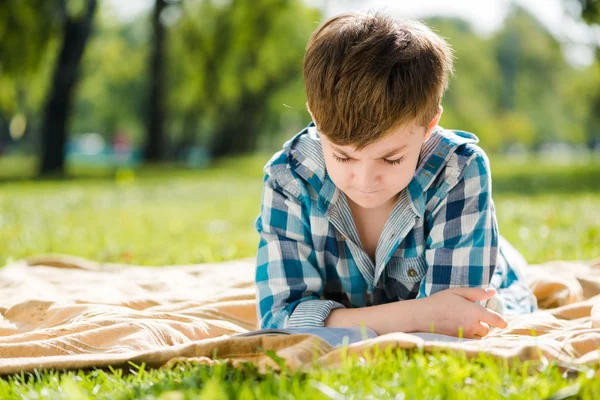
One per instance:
(374, 214)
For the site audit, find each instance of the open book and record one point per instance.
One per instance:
(337, 336)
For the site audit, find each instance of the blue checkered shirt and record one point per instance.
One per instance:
(441, 234)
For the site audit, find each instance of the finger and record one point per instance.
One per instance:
(475, 294)
(492, 318)
(481, 329)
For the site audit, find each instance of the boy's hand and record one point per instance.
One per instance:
(451, 309)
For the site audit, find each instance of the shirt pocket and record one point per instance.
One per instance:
(407, 269)
(404, 276)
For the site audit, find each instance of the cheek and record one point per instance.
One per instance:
(402, 180)
(403, 176)
(398, 177)
(338, 173)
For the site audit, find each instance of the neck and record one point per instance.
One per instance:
(387, 206)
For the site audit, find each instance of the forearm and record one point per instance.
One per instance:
(400, 316)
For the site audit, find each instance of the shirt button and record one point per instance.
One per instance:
(343, 237)
(412, 272)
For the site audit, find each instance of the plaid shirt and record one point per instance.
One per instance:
(441, 234)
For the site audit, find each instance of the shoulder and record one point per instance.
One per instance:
(279, 171)
(279, 175)
(466, 172)
(467, 161)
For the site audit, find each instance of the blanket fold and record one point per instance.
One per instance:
(66, 312)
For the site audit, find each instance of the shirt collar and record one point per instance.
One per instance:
(308, 162)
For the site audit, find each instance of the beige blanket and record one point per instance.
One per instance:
(70, 313)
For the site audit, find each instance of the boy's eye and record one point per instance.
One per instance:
(340, 159)
(390, 162)
(394, 162)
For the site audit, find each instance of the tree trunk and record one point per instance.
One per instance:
(239, 134)
(155, 141)
(189, 134)
(593, 125)
(5, 138)
(66, 72)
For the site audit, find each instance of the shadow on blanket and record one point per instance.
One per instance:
(65, 312)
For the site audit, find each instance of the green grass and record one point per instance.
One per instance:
(155, 216)
(385, 374)
(168, 215)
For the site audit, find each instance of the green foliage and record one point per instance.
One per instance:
(234, 72)
(469, 103)
(533, 83)
(27, 44)
(231, 59)
(516, 87)
(590, 10)
(113, 87)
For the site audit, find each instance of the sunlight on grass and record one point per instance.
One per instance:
(383, 374)
(169, 215)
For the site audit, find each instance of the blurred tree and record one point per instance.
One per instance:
(4, 133)
(469, 103)
(155, 140)
(77, 16)
(514, 86)
(532, 65)
(232, 58)
(589, 11)
(112, 92)
(234, 82)
(28, 33)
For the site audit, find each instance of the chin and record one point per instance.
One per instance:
(368, 201)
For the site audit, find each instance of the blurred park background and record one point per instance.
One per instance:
(136, 131)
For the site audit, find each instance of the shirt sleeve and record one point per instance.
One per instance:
(462, 244)
(289, 284)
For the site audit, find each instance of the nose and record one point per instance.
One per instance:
(366, 177)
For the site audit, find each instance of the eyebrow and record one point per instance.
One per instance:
(385, 155)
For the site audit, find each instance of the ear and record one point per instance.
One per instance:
(311, 114)
(433, 123)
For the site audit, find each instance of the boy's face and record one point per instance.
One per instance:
(373, 177)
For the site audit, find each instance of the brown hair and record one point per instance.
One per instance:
(366, 74)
